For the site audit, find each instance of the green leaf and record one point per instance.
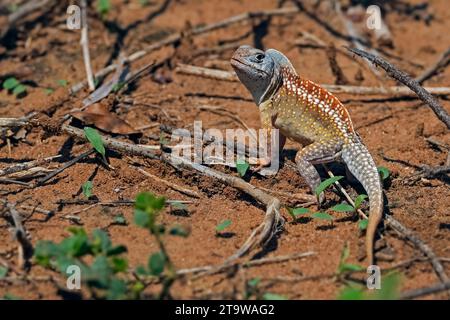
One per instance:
(95, 139)
(117, 290)
(362, 224)
(162, 140)
(101, 242)
(298, 211)
(384, 172)
(149, 202)
(19, 89)
(10, 296)
(103, 6)
(156, 263)
(87, 189)
(242, 167)
(273, 296)
(179, 205)
(390, 287)
(179, 231)
(343, 207)
(62, 83)
(120, 219)
(344, 254)
(325, 184)
(322, 216)
(254, 282)
(359, 200)
(350, 267)
(141, 218)
(119, 264)
(116, 250)
(141, 271)
(117, 86)
(48, 91)
(44, 252)
(223, 225)
(3, 272)
(76, 245)
(352, 293)
(10, 83)
(100, 272)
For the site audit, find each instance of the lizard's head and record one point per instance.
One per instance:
(259, 71)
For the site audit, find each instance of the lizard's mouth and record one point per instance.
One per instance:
(238, 64)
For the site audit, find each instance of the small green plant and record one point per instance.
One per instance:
(147, 208)
(326, 183)
(362, 224)
(322, 216)
(13, 85)
(102, 275)
(144, 3)
(87, 189)
(296, 212)
(10, 296)
(390, 289)
(62, 82)
(103, 7)
(343, 207)
(96, 141)
(252, 288)
(273, 296)
(242, 166)
(118, 86)
(223, 225)
(384, 173)
(163, 140)
(120, 220)
(49, 91)
(344, 267)
(3, 272)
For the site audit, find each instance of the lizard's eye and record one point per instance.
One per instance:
(259, 57)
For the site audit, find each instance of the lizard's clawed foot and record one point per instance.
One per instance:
(260, 163)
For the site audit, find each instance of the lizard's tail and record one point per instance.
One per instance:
(361, 165)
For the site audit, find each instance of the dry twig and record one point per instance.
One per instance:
(404, 78)
(85, 46)
(394, 90)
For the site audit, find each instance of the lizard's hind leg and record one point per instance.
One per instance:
(315, 153)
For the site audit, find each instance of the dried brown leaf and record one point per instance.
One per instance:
(99, 115)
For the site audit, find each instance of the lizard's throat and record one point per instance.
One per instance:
(271, 90)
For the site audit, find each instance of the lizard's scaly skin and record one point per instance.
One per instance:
(309, 114)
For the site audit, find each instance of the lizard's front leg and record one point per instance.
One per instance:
(267, 122)
(315, 153)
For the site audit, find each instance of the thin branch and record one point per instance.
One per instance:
(248, 264)
(171, 185)
(231, 76)
(27, 165)
(404, 78)
(25, 248)
(412, 294)
(64, 167)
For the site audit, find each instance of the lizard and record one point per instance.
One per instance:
(305, 112)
